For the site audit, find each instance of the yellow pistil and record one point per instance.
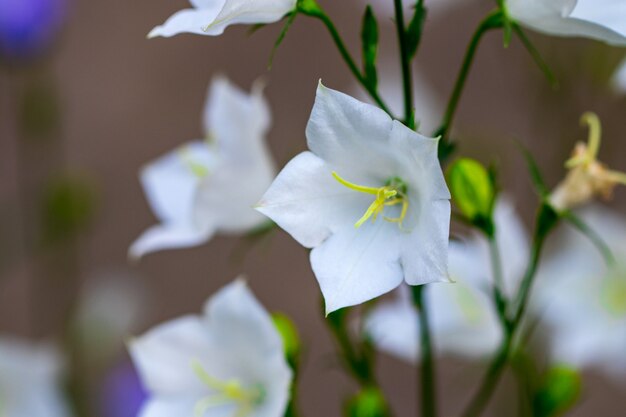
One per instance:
(587, 177)
(392, 194)
(613, 295)
(194, 166)
(226, 392)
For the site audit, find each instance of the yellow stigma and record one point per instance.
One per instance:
(194, 166)
(613, 294)
(392, 194)
(226, 392)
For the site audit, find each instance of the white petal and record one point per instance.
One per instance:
(251, 12)
(162, 237)
(394, 327)
(513, 242)
(607, 13)
(358, 264)
(170, 183)
(248, 346)
(308, 203)
(351, 136)
(182, 406)
(234, 119)
(187, 21)
(165, 354)
(425, 248)
(561, 18)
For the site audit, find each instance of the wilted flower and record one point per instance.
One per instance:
(29, 27)
(211, 186)
(602, 20)
(463, 316)
(370, 199)
(211, 17)
(228, 362)
(582, 300)
(30, 380)
(587, 177)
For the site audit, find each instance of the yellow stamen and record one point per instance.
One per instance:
(226, 392)
(194, 166)
(388, 195)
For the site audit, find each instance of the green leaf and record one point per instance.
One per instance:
(535, 173)
(558, 393)
(472, 190)
(370, 402)
(369, 40)
(289, 334)
(414, 30)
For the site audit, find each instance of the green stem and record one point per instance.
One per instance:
(546, 221)
(427, 369)
(536, 56)
(312, 9)
(498, 278)
(492, 21)
(405, 63)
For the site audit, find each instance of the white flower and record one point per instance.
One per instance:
(211, 17)
(370, 199)
(228, 362)
(211, 186)
(583, 302)
(463, 317)
(30, 380)
(603, 20)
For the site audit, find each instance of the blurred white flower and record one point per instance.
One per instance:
(211, 17)
(30, 380)
(602, 20)
(210, 186)
(463, 318)
(583, 302)
(228, 362)
(370, 199)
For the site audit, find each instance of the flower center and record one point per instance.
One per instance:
(232, 391)
(196, 168)
(613, 295)
(393, 193)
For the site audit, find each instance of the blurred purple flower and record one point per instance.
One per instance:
(122, 392)
(29, 27)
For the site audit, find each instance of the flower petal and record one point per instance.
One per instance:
(308, 203)
(187, 21)
(355, 265)
(164, 355)
(251, 12)
(162, 237)
(235, 120)
(170, 183)
(564, 18)
(182, 406)
(425, 249)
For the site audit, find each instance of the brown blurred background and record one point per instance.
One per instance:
(124, 100)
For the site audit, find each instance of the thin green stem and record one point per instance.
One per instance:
(492, 21)
(546, 220)
(536, 56)
(498, 277)
(316, 12)
(427, 369)
(405, 63)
